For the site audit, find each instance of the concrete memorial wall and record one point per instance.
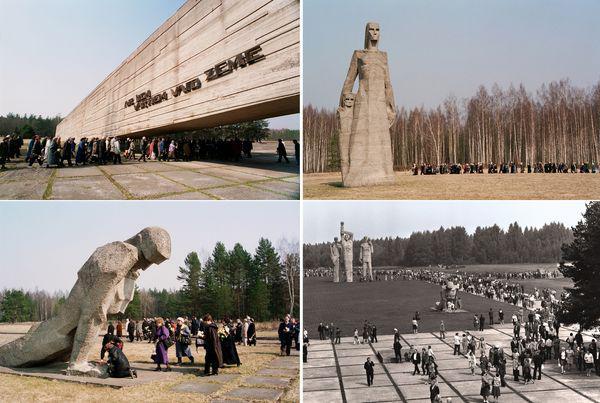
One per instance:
(214, 62)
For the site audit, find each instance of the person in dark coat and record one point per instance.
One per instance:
(369, 365)
(4, 152)
(251, 333)
(118, 364)
(80, 155)
(285, 335)
(434, 390)
(481, 322)
(143, 149)
(66, 153)
(195, 326)
(415, 358)
(230, 354)
(161, 337)
(212, 344)
(281, 151)
(131, 330)
(238, 332)
(36, 152)
(110, 337)
(398, 350)
(297, 151)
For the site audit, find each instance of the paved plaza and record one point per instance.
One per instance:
(336, 374)
(258, 178)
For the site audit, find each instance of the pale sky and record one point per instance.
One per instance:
(53, 53)
(45, 243)
(441, 47)
(377, 219)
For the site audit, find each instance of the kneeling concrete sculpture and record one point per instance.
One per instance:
(105, 285)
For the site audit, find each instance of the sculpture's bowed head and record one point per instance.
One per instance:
(371, 35)
(154, 244)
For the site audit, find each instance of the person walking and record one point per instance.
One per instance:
(443, 330)
(281, 152)
(369, 369)
(496, 382)
(212, 344)
(162, 345)
(356, 339)
(415, 358)
(481, 322)
(296, 151)
(457, 340)
(538, 360)
(131, 330)
(485, 387)
(183, 340)
(588, 358)
(143, 149)
(472, 364)
(397, 350)
(434, 391)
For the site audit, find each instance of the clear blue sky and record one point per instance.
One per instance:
(53, 53)
(442, 47)
(401, 218)
(46, 243)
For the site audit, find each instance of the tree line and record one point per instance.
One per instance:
(454, 246)
(559, 123)
(27, 126)
(231, 283)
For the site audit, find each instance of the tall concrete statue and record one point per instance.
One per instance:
(344, 117)
(366, 252)
(335, 259)
(105, 285)
(370, 160)
(347, 239)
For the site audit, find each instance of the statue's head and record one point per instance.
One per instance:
(346, 237)
(365, 239)
(154, 244)
(335, 239)
(349, 101)
(371, 35)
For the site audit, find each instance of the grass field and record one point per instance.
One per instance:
(462, 187)
(388, 304)
(27, 389)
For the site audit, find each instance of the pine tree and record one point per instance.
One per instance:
(269, 263)
(16, 306)
(583, 254)
(217, 283)
(192, 287)
(239, 264)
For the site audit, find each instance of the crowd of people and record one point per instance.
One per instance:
(504, 168)
(219, 341)
(55, 152)
(536, 341)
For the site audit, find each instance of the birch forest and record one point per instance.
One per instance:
(559, 123)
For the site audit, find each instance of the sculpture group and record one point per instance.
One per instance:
(105, 285)
(365, 118)
(346, 246)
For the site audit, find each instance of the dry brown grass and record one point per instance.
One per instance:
(28, 389)
(462, 187)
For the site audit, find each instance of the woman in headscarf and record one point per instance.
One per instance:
(162, 337)
(182, 341)
(172, 148)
